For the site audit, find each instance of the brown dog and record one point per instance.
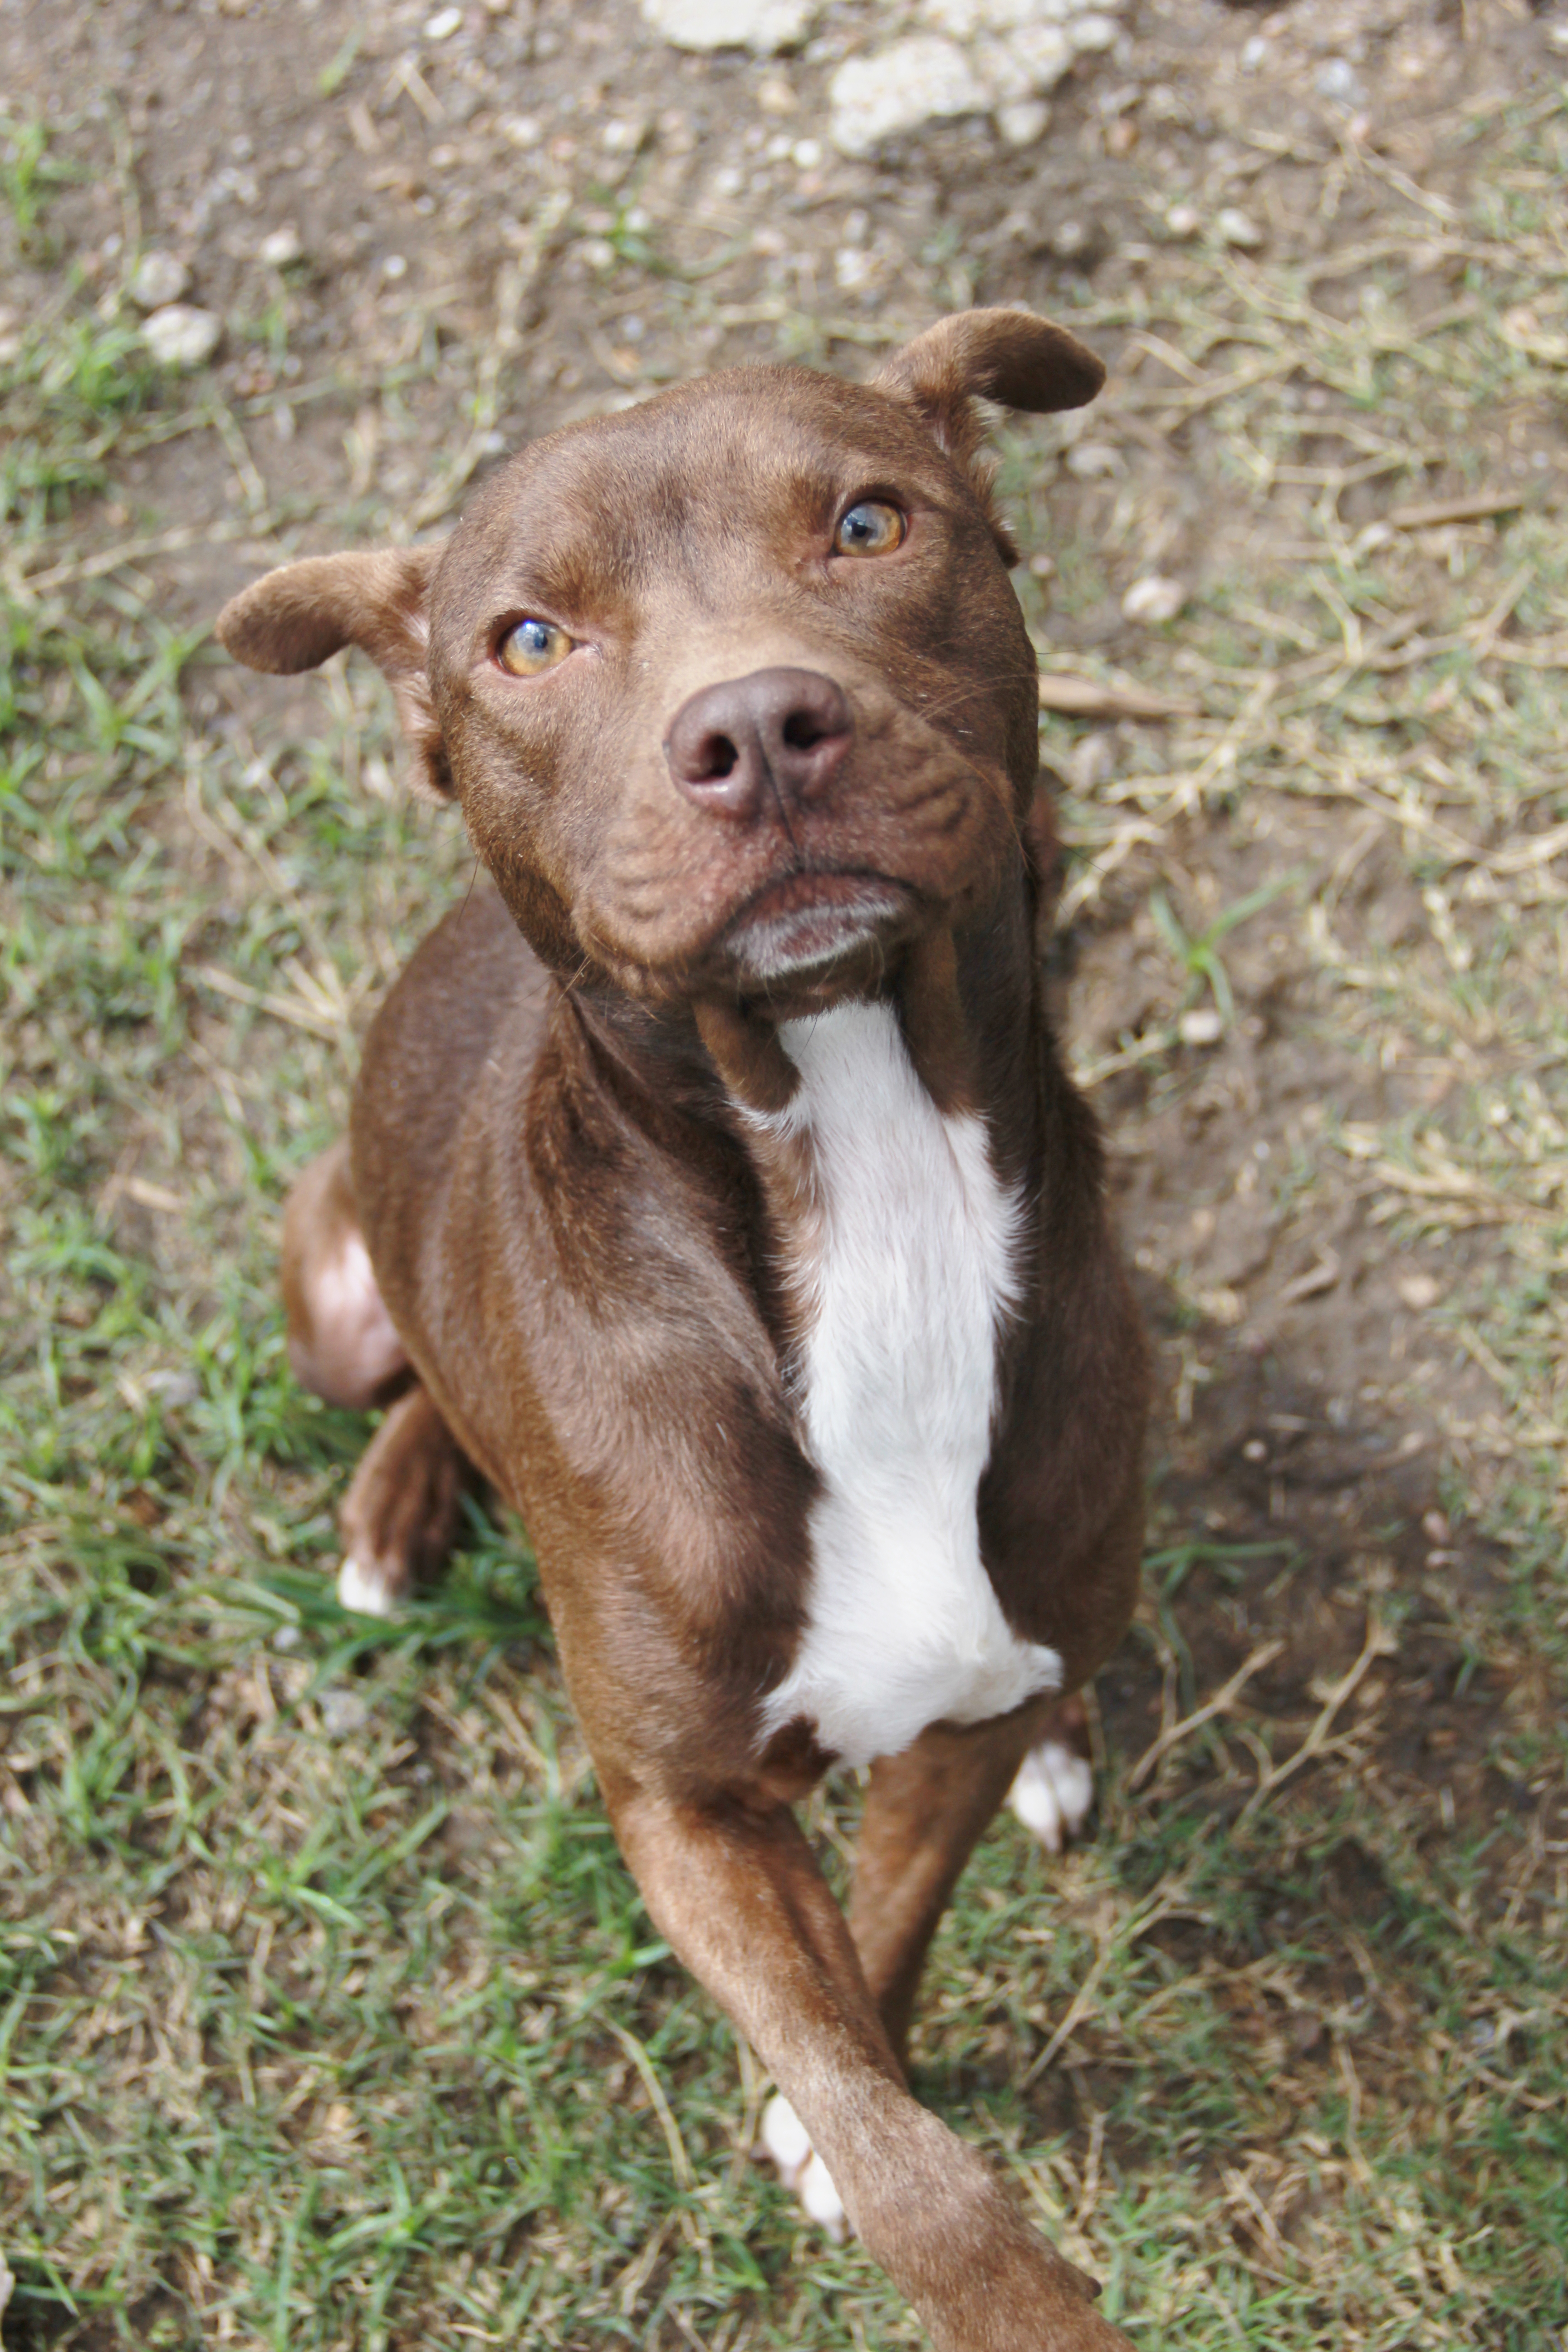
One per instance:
(714, 1189)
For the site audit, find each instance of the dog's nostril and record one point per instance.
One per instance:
(719, 757)
(803, 730)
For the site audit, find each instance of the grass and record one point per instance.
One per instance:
(328, 2015)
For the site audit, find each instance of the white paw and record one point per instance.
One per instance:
(786, 2144)
(1052, 1793)
(366, 1594)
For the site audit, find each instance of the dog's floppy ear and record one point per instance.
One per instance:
(295, 618)
(1008, 356)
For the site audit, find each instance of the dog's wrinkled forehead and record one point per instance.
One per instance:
(695, 487)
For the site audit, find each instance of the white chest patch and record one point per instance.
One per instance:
(914, 1267)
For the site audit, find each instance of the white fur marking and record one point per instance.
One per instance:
(786, 2145)
(1052, 1793)
(898, 1384)
(363, 1593)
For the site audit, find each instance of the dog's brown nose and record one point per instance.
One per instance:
(787, 727)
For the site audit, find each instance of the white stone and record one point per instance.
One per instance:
(1182, 220)
(1094, 461)
(343, 1713)
(1024, 64)
(281, 248)
(443, 23)
(179, 336)
(922, 79)
(963, 20)
(1092, 33)
(1024, 122)
(520, 130)
(1154, 598)
(1201, 1027)
(157, 279)
(1238, 228)
(763, 26)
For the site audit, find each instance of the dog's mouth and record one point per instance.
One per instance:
(810, 921)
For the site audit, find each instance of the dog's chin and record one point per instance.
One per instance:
(817, 933)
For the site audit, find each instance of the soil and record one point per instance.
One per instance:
(492, 197)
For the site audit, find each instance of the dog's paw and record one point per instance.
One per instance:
(1052, 1793)
(363, 1593)
(785, 2146)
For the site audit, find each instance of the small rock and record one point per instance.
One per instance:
(853, 270)
(179, 336)
(1089, 35)
(394, 266)
(1557, 38)
(1338, 80)
(1418, 1291)
(1254, 52)
(1027, 64)
(343, 1713)
(520, 130)
(1182, 221)
(775, 95)
(1024, 122)
(1069, 239)
(763, 26)
(1238, 228)
(1201, 1027)
(443, 23)
(281, 248)
(922, 79)
(806, 154)
(1094, 461)
(1153, 599)
(157, 279)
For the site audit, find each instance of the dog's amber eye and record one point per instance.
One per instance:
(872, 527)
(530, 647)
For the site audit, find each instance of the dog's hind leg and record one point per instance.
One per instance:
(342, 1342)
(399, 1517)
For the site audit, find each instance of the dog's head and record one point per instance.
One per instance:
(732, 685)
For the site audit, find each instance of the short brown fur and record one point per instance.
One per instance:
(577, 1219)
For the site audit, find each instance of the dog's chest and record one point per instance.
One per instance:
(906, 1268)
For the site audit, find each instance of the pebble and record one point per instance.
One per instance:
(1337, 81)
(180, 336)
(343, 1713)
(1418, 1291)
(1238, 228)
(281, 248)
(1024, 122)
(158, 278)
(917, 81)
(1094, 461)
(1201, 1027)
(1091, 33)
(1154, 598)
(443, 23)
(1182, 220)
(763, 26)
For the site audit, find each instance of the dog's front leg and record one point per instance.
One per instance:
(739, 1894)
